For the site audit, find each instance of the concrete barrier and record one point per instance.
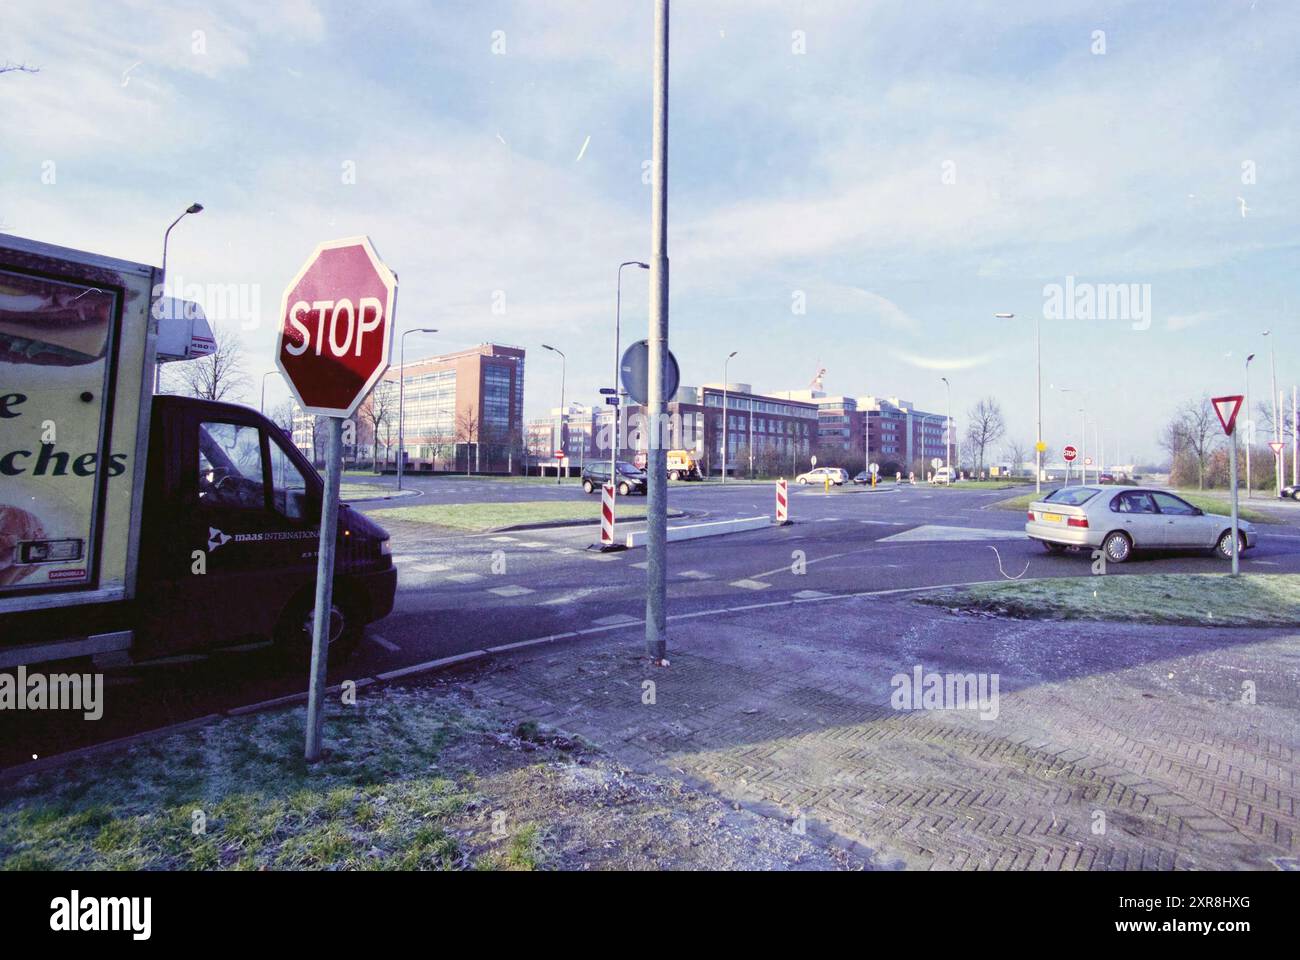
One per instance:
(694, 531)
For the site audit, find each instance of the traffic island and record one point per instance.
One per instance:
(1207, 600)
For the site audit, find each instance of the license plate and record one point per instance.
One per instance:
(1054, 518)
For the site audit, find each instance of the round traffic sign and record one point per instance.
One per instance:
(874, 468)
(814, 461)
(336, 326)
(937, 462)
(634, 372)
(1071, 452)
(559, 454)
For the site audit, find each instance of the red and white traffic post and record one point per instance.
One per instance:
(1227, 408)
(782, 503)
(335, 337)
(607, 519)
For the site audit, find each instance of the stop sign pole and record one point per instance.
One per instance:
(336, 333)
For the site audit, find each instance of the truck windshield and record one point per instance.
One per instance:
(230, 465)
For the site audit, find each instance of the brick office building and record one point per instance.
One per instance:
(463, 411)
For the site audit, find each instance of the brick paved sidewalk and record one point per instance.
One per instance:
(1114, 746)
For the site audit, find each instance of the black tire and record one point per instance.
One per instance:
(587, 487)
(293, 631)
(1296, 495)
(1117, 547)
(624, 489)
(1223, 548)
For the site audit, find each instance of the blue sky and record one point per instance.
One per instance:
(821, 172)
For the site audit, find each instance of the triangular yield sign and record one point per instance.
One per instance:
(1227, 408)
(1275, 446)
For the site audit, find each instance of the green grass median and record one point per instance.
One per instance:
(1215, 599)
(482, 517)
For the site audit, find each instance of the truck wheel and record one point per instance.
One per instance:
(675, 475)
(293, 633)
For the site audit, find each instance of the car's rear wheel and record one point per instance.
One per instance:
(1117, 547)
(1296, 495)
(588, 486)
(1224, 547)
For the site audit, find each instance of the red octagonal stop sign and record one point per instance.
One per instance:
(336, 326)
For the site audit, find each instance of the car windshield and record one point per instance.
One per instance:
(628, 469)
(1072, 496)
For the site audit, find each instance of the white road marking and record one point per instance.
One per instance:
(563, 550)
(532, 544)
(513, 590)
(464, 577)
(615, 618)
(937, 533)
(696, 575)
(571, 597)
(503, 539)
(750, 584)
(810, 595)
(593, 555)
(643, 565)
(430, 567)
(402, 559)
(386, 644)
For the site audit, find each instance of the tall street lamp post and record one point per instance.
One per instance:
(1250, 426)
(192, 208)
(269, 373)
(564, 362)
(724, 413)
(1038, 398)
(401, 400)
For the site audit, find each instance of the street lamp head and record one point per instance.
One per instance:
(194, 208)
(643, 266)
(547, 346)
(1004, 316)
(732, 354)
(1249, 357)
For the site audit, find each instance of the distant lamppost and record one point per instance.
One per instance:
(618, 309)
(724, 413)
(192, 208)
(564, 362)
(269, 373)
(401, 401)
(947, 441)
(1250, 425)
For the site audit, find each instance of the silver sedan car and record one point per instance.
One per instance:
(1130, 518)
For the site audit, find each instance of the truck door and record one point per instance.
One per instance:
(247, 524)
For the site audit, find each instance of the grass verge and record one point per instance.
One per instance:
(1208, 504)
(482, 517)
(1216, 599)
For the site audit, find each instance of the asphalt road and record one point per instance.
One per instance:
(469, 592)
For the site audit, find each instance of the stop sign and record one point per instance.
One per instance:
(336, 326)
(1070, 454)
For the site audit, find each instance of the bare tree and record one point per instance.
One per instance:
(1018, 455)
(282, 417)
(467, 431)
(1192, 435)
(218, 376)
(10, 67)
(376, 410)
(986, 427)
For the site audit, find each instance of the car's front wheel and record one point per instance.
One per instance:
(588, 486)
(1117, 547)
(1224, 547)
(1296, 495)
(624, 489)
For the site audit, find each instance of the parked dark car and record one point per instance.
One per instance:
(630, 479)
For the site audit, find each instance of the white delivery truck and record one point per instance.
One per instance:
(140, 527)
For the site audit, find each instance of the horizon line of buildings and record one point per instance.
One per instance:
(463, 412)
